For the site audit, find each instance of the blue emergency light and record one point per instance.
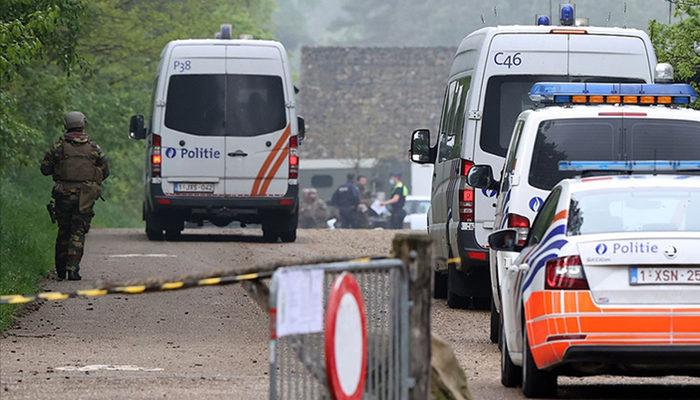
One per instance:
(543, 20)
(567, 15)
(630, 166)
(612, 93)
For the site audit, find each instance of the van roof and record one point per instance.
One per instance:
(593, 111)
(468, 41)
(225, 42)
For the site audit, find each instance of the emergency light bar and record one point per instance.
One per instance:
(612, 93)
(629, 166)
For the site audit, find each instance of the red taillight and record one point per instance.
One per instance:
(293, 158)
(521, 225)
(565, 273)
(466, 194)
(156, 158)
(286, 202)
(164, 202)
(477, 255)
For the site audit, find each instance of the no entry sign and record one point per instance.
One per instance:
(346, 339)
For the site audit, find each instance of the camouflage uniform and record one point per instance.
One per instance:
(313, 212)
(78, 167)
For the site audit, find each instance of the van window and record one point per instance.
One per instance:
(453, 119)
(508, 95)
(225, 105)
(321, 181)
(601, 139)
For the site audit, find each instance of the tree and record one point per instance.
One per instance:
(675, 43)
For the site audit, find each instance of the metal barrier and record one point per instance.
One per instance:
(298, 361)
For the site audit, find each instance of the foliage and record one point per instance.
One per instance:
(675, 43)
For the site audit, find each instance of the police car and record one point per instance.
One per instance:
(576, 121)
(608, 280)
(222, 143)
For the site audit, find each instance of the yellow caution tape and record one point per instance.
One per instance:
(92, 292)
(209, 281)
(130, 289)
(53, 296)
(454, 260)
(172, 285)
(16, 299)
(248, 277)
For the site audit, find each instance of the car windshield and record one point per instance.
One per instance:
(225, 105)
(608, 139)
(509, 95)
(417, 206)
(638, 210)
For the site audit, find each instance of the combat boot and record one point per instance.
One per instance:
(74, 273)
(60, 273)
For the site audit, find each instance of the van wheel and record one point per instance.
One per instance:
(270, 236)
(495, 325)
(536, 383)
(154, 226)
(289, 236)
(440, 289)
(511, 374)
(453, 281)
(172, 234)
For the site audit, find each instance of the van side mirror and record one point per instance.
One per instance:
(301, 128)
(420, 151)
(481, 177)
(137, 129)
(505, 240)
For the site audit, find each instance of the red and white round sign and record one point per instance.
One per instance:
(346, 339)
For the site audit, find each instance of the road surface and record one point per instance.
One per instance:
(212, 342)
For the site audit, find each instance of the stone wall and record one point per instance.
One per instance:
(364, 102)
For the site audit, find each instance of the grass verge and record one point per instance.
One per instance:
(27, 235)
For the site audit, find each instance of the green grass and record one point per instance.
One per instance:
(27, 235)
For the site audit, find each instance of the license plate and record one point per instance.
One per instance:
(665, 275)
(182, 187)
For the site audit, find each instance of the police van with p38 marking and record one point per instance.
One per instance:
(222, 143)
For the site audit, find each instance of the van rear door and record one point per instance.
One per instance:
(192, 132)
(258, 126)
(609, 56)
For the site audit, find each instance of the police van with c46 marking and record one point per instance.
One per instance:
(579, 121)
(223, 139)
(486, 89)
(608, 280)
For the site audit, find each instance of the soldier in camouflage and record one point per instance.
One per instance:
(78, 167)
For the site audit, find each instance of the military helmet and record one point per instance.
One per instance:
(74, 119)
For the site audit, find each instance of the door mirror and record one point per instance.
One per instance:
(505, 240)
(421, 152)
(301, 128)
(481, 177)
(136, 127)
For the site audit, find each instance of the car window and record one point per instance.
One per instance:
(581, 139)
(662, 139)
(225, 105)
(544, 218)
(638, 210)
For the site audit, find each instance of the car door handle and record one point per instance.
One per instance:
(516, 268)
(238, 153)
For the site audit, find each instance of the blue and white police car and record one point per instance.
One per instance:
(582, 121)
(608, 278)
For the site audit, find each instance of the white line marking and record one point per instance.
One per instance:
(142, 255)
(104, 367)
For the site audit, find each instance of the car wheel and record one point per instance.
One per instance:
(289, 236)
(536, 383)
(511, 374)
(453, 280)
(172, 234)
(154, 226)
(270, 236)
(440, 289)
(495, 324)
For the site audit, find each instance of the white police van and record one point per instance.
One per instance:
(605, 122)
(223, 140)
(487, 88)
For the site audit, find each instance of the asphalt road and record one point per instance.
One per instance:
(212, 342)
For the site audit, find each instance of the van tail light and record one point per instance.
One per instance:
(293, 157)
(565, 273)
(521, 225)
(156, 157)
(466, 194)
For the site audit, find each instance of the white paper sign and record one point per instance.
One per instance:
(299, 301)
(378, 207)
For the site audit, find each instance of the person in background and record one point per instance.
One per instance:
(366, 197)
(313, 212)
(78, 168)
(346, 199)
(396, 201)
